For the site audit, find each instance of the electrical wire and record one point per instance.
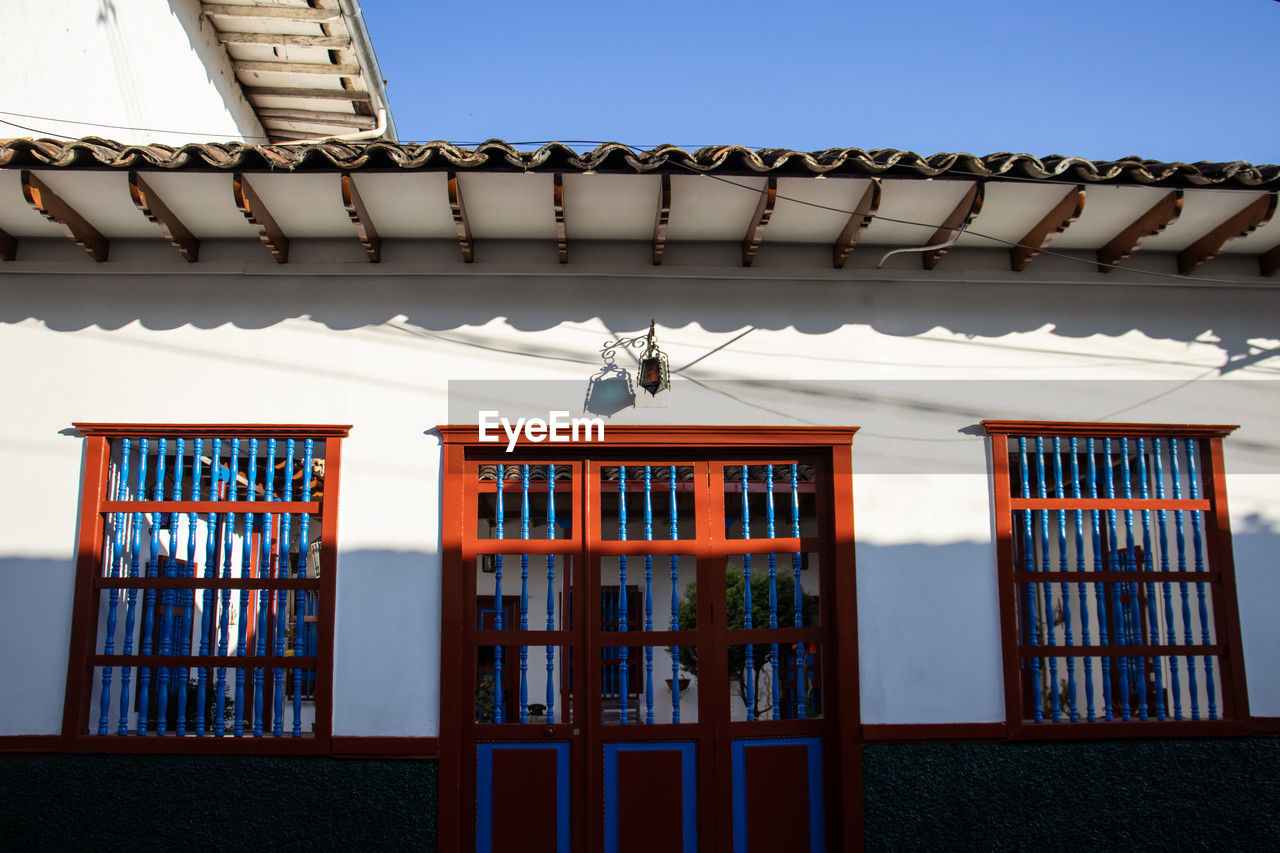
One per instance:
(112, 127)
(37, 130)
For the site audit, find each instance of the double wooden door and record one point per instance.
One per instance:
(643, 650)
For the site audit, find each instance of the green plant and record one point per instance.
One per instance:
(735, 600)
(485, 704)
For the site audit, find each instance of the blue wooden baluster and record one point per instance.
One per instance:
(224, 621)
(624, 653)
(775, 687)
(1175, 476)
(524, 594)
(149, 597)
(1119, 611)
(1099, 588)
(1137, 664)
(282, 571)
(551, 594)
(135, 556)
(1064, 589)
(210, 570)
(189, 596)
(246, 563)
(749, 669)
(1046, 587)
(797, 620)
(1032, 626)
(264, 596)
(300, 618)
(648, 594)
(177, 568)
(673, 526)
(499, 711)
(1081, 593)
(1153, 615)
(1162, 518)
(114, 570)
(1197, 544)
(168, 597)
(181, 639)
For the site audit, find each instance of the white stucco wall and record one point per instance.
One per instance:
(152, 68)
(915, 366)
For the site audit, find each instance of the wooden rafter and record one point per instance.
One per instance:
(755, 229)
(342, 69)
(662, 221)
(256, 212)
(51, 206)
(963, 214)
(286, 13)
(318, 117)
(361, 219)
(562, 238)
(288, 40)
(308, 94)
(858, 221)
(178, 235)
(8, 246)
(1254, 215)
(1161, 215)
(1055, 222)
(459, 210)
(1269, 262)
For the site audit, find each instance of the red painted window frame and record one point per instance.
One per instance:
(75, 735)
(461, 443)
(1235, 715)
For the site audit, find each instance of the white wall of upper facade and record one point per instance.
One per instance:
(152, 68)
(916, 367)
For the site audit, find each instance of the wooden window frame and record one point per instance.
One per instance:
(75, 736)
(1235, 718)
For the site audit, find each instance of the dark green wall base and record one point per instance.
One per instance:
(1130, 795)
(188, 802)
(1221, 794)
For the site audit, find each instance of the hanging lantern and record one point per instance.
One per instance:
(654, 372)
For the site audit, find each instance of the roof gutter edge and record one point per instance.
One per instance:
(363, 46)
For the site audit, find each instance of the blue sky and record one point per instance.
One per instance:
(1168, 81)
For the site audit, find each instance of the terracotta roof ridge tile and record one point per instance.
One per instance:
(499, 155)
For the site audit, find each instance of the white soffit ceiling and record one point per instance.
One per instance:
(408, 206)
(1261, 240)
(1202, 211)
(203, 202)
(929, 202)
(19, 219)
(307, 206)
(611, 207)
(706, 209)
(1107, 212)
(515, 206)
(793, 221)
(1009, 211)
(103, 199)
